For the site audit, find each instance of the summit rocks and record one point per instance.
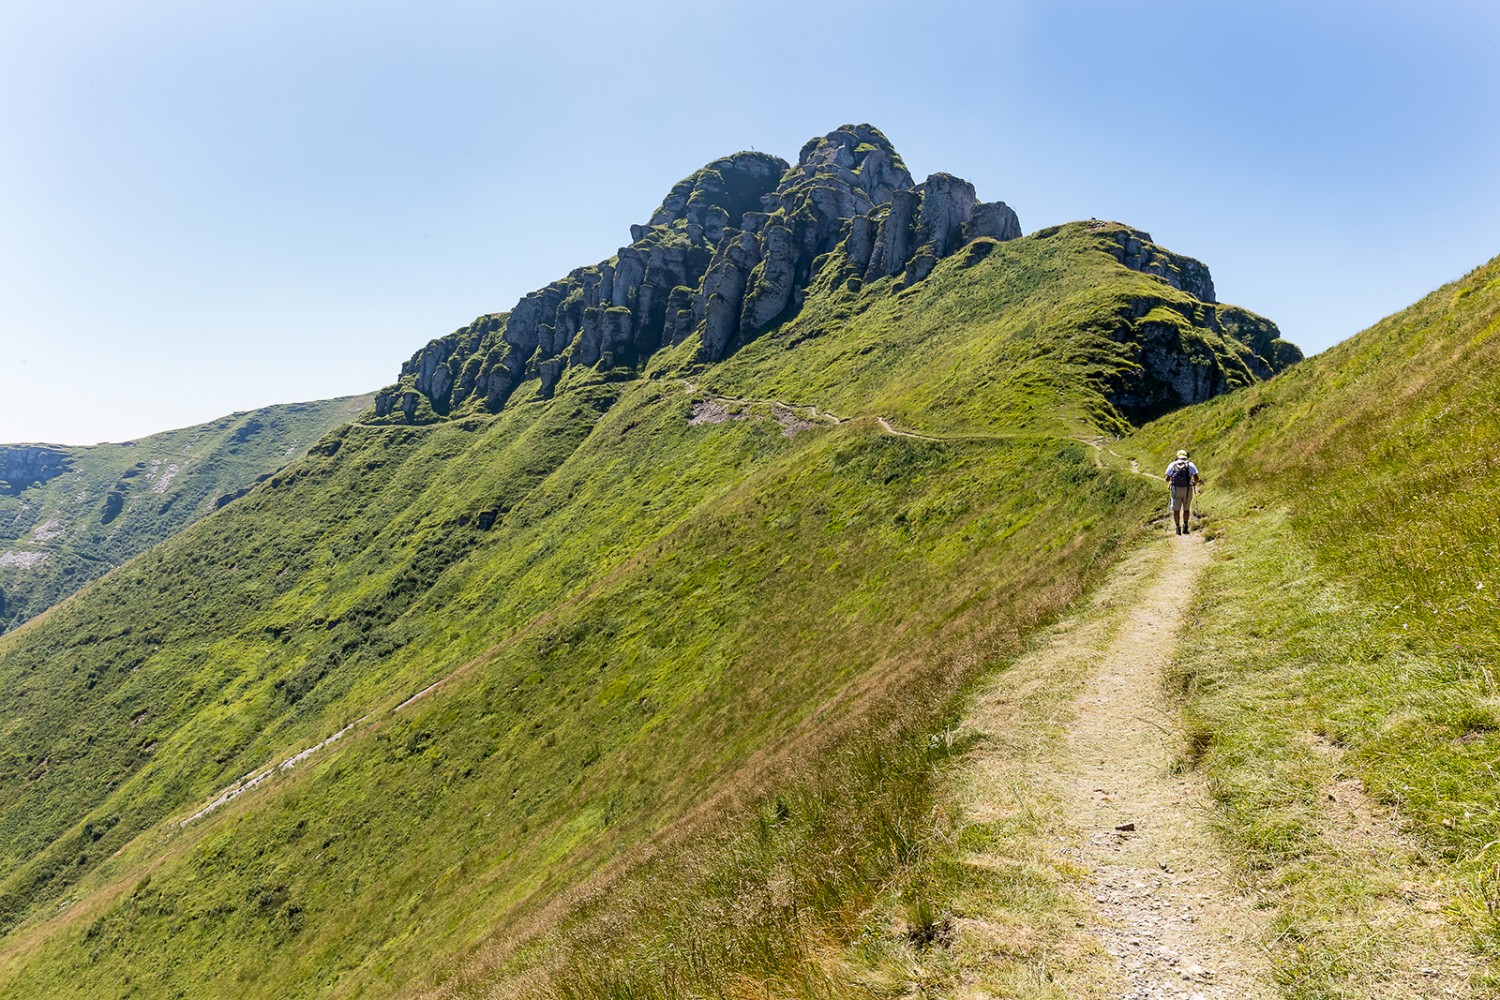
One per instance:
(735, 248)
(730, 252)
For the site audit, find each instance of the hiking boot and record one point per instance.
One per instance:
(1179, 529)
(1187, 529)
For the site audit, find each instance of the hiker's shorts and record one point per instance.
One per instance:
(1182, 498)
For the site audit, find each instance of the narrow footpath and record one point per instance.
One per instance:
(1079, 774)
(1167, 909)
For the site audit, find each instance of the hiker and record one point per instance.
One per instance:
(1182, 475)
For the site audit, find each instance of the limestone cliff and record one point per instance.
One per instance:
(1181, 353)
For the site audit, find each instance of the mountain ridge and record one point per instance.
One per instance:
(619, 611)
(68, 514)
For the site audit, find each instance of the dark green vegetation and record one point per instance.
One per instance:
(68, 515)
(696, 673)
(1353, 629)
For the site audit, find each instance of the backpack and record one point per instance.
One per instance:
(1181, 473)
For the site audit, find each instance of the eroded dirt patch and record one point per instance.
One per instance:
(713, 411)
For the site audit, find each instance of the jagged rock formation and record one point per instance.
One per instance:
(735, 248)
(1137, 251)
(1180, 353)
(731, 251)
(613, 313)
(926, 224)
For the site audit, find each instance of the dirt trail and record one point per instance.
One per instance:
(1168, 911)
(1080, 732)
(885, 425)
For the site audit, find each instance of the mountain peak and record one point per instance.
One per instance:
(732, 251)
(859, 156)
(718, 194)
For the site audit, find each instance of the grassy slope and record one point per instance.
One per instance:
(1017, 342)
(1353, 627)
(161, 484)
(660, 612)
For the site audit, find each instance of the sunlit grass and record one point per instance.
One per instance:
(655, 633)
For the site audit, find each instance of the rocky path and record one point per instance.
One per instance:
(1080, 755)
(1167, 908)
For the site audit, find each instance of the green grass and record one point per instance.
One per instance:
(1028, 338)
(655, 632)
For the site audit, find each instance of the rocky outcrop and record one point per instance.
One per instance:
(1135, 250)
(1178, 352)
(923, 226)
(1186, 353)
(993, 220)
(763, 271)
(616, 312)
(718, 195)
(22, 466)
(730, 252)
(733, 249)
(849, 192)
(716, 307)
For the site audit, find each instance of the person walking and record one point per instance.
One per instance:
(1182, 476)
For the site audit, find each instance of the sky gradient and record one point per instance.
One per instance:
(213, 207)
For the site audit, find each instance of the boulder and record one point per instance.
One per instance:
(992, 220)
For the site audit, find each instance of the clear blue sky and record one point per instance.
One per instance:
(207, 207)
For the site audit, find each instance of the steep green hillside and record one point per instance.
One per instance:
(68, 515)
(636, 609)
(1353, 629)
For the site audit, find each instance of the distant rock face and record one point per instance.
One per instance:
(926, 224)
(729, 253)
(616, 312)
(1183, 353)
(24, 465)
(1136, 251)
